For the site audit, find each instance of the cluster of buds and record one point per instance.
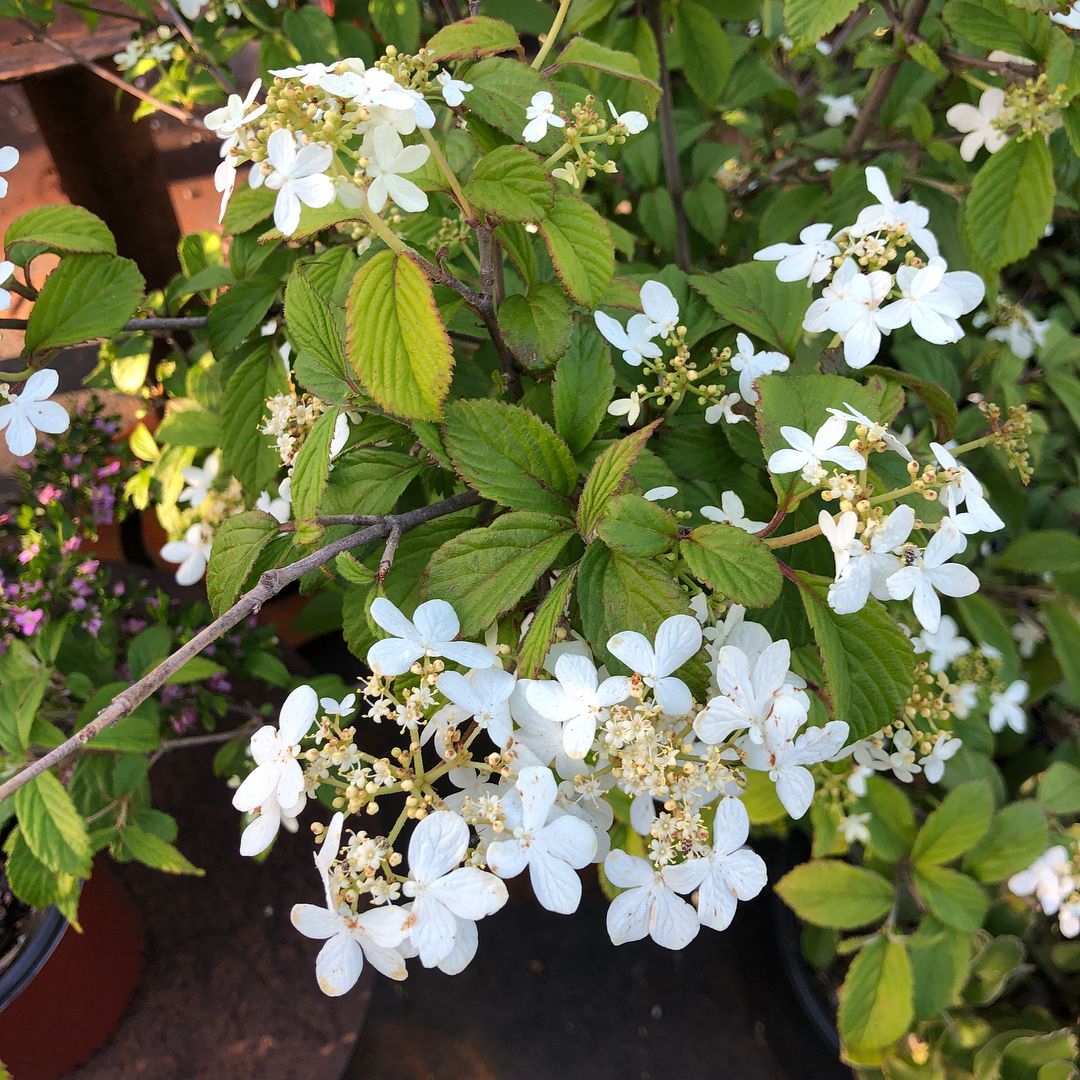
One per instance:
(1032, 107)
(1011, 436)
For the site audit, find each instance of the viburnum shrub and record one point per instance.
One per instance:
(685, 438)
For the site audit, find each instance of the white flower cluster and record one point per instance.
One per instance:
(862, 300)
(1054, 880)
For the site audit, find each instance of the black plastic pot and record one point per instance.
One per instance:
(47, 929)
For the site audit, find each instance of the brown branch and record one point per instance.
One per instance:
(185, 32)
(387, 560)
(148, 325)
(268, 586)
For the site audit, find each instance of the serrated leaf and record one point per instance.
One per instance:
(510, 184)
(187, 425)
(369, 480)
(397, 21)
(501, 91)
(582, 53)
(876, 1000)
(151, 850)
(397, 343)
(29, 878)
(1043, 551)
(485, 572)
(247, 208)
(952, 897)
(828, 892)
(62, 228)
(892, 821)
(541, 633)
(994, 24)
(608, 476)
(706, 53)
(314, 323)
(733, 564)
(311, 471)
(940, 958)
(53, 829)
(1059, 788)
(86, 297)
(637, 526)
(581, 248)
(1017, 836)
(248, 453)
(240, 311)
(939, 403)
(509, 455)
(536, 325)
(808, 21)
(238, 543)
(1064, 630)
(956, 825)
(584, 382)
(469, 39)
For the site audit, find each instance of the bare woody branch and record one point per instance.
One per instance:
(147, 326)
(268, 586)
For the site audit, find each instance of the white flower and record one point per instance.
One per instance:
(268, 820)
(24, 416)
(308, 74)
(963, 697)
(953, 531)
(724, 409)
(1069, 915)
(343, 708)
(281, 507)
(225, 181)
(349, 937)
(977, 124)
(890, 215)
(945, 645)
(629, 407)
(9, 158)
(541, 115)
(826, 164)
(453, 90)
(199, 481)
(932, 300)
(551, 847)
(1069, 19)
(851, 308)
(752, 365)
(659, 304)
(1048, 878)
(1023, 333)
(870, 565)
(924, 578)
(483, 695)
(729, 873)
(902, 759)
(227, 121)
(854, 828)
(340, 436)
(441, 889)
(784, 757)
(841, 536)
(964, 487)
(388, 158)
(809, 261)
(635, 342)
(277, 776)
(634, 122)
(678, 638)
(430, 633)
(6, 270)
(190, 8)
(732, 512)
(649, 906)
(1006, 707)
(1028, 635)
(575, 699)
(838, 109)
(659, 494)
(192, 553)
(808, 454)
(297, 177)
(933, 764)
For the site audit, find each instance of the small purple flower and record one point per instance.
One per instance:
(93, 626)
(28, 620)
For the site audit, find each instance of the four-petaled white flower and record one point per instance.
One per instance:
(541, 115)
(871, 563)
(945, 645)
(635, 342)
(227, 121)
(430, 632)
(552, 847)
(659, 304)
(267, 822)
(343, 708)
(890, 215)
(1023, 333)
(388, 158)
(1006, 707)
(809, 261)
(9, 158)
(635, 122)
(878, 431)
(630, 407)
(279, 508)
(838, 109)
(442, 890)
(21, 418)
(841, 536)
(1048, 879)
(199, 481)
(923, 577)
(752, 365)
(349, 937)
(575, 699)
(724, 409)
(728, 874)
(807, 455)
(298, 177)
(192, 553)
(483, 695)
(649, 907)
(853, 310)
(678, 638)
(933, 764)
(732, 512)
(964, 488)
(980, 124)
(1028, 635)
(902, 758)
(453, 90)
(932, 300)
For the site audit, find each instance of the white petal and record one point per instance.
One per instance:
(537, 789)
(677, 640)
(673, 922)
(555, 884)
(298, 714)
(628, 916)
(625, 871)
(315, 922)
(795, 789)
(470, 893)
(393, 656)
(437, 845)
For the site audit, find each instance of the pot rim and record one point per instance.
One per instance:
(34, 953)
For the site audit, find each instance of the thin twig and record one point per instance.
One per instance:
(387, 560)
(268, 586)
(185, 32)
(148, 325)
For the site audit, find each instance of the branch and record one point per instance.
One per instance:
(149, 325)
(269, 585)
(224, 81)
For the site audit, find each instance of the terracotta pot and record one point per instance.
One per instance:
(65, 993)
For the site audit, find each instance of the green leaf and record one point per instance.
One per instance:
(828, 892)
(248, 453)
(636, 526)
(315, 324)
(311, 32)
(397, 343)
(188, 425)
(312, 469)
(397, 22)
(608, 476)
(84, 298)
(197, 669)
(30, 879)
(940, 957)
(541, 633)
(733, 564)
(238, 543)
(706, 208)
(510, 184)
(939, 403)
(151, 850)
(502, 89)
(706, 54)
(1010, 203)
(240, 311)
(369, 480)
(485, 572)
(1059, 788)
(954, 898)
(148, 649)
(892, 821)
(471, 38)
(592, 56)
(537, 325)
(868, 660)
(581, 248)
(876, 1000)
(956, 826)
(1044, 551)
(23, 682)
(750, 297)
(509, 455)
(61, 228)
(808, 21)
(1017, 836)
(1064, 631)
(994, 24)
(584, 382)
(53, 829)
